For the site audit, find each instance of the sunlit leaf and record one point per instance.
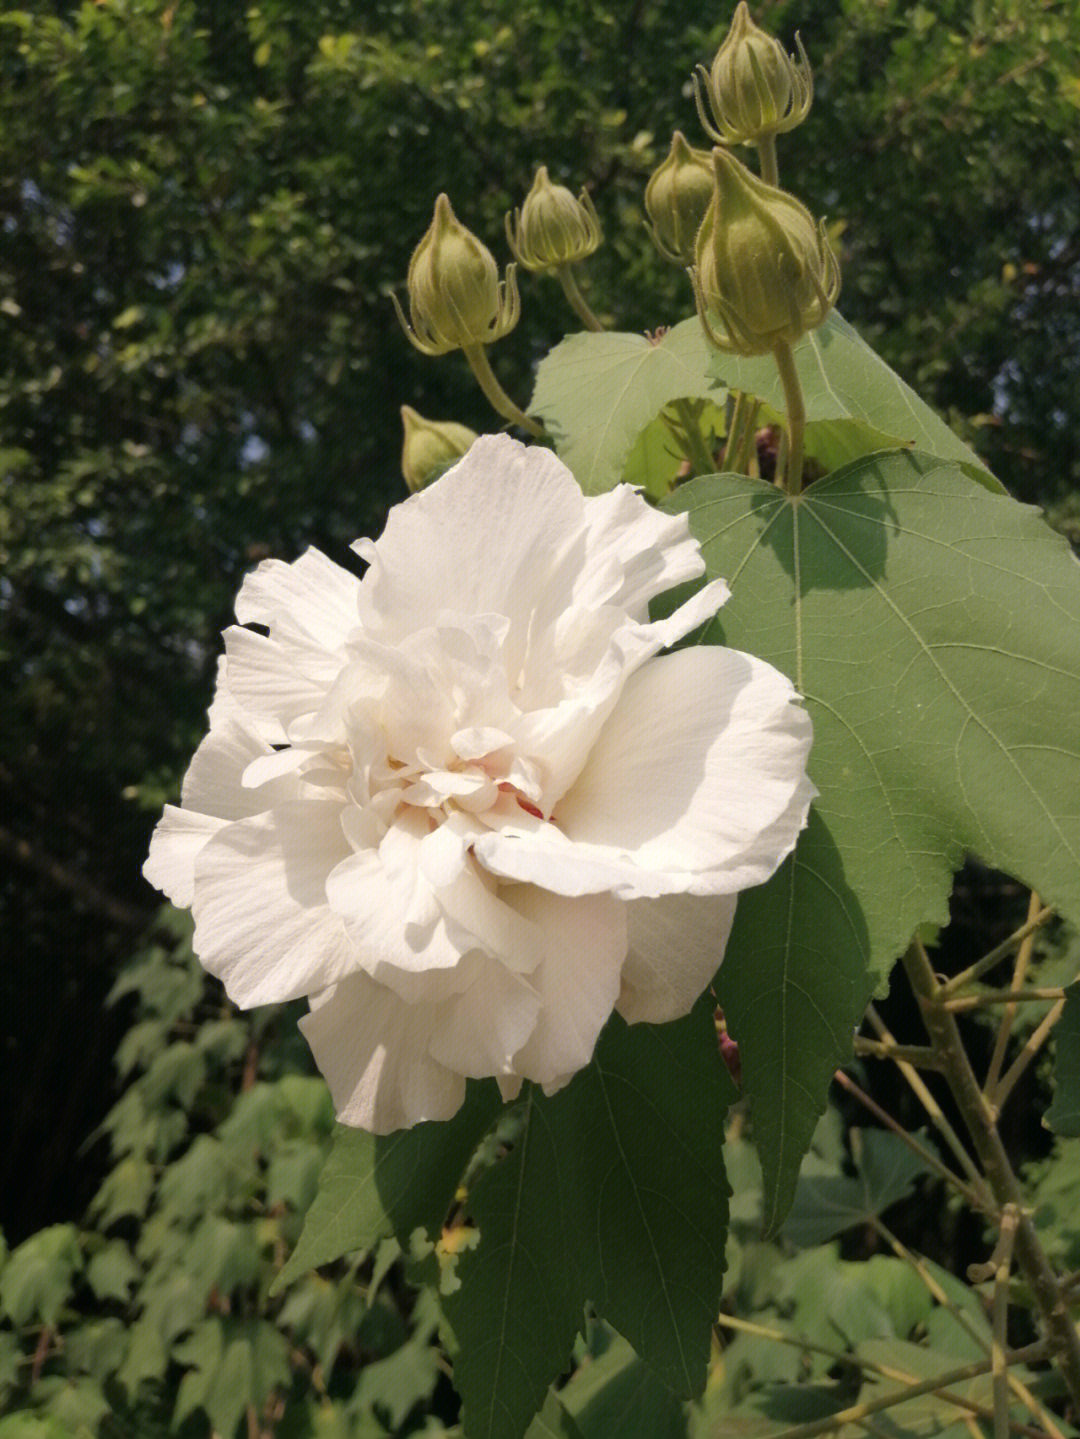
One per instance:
(373, 1186)
(934, 629)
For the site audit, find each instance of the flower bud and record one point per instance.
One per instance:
(762, 265)
(430, 447)
(755, 88)
(551, 228)
(456, 300)
(676, 199)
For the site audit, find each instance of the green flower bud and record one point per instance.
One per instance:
(430, 447)
(676, 199)
(456, 300)
(754, 87)
(551, 228)
(762, 266)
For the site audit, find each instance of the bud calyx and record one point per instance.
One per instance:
(676, 198)
(754, 87)
(762, 266)
(456, 300)
(552, 228)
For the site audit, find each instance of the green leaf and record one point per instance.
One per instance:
(112, 1271)
(518, 1304)
(597, 392)
(614, 1192)
(553, 1422)
(39, 1276)
(372, 1186)
(234, 1363)
(647, 1194)
(1063, 1116)
(827, 1204)
(934, 629)
(855, 403)
(619, 1394)
(397, 1384)
(33, 1426)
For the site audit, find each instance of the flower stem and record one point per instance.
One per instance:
(766, 148)
(791, 478)
(695, 448)
(979, 1119)
(500, 400)
(578, 303)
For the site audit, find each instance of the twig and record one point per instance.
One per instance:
(1001, 1043)
(937, 1117)
(918, 1054)
(1002, 996)
(1017, 1069)
(927, 1156)
(856, 1412)
(976, 1335)
(979, 1120)
(1003, 1268)
(996, 955)
(873, 1366)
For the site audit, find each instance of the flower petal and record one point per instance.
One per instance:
(178, 839)
(696, 784)
(262, 923)
(577, 979)
(313, 599)
(676, 944)
(372, 1049)
(480, 1030)
(633, 552)
(470, 540)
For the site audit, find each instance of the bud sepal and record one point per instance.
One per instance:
(456, 299)
(755, 89)
(763, 267)
(676, 199)
(552, 228)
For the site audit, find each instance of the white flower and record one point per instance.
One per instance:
(464, 804)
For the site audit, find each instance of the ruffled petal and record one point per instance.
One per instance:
(178, 839)
(559, 737)
(372, 1049)
(274, 683)
(695, 785)
(492, 536)
(577, 980)
(262, 923)
(633, 552)
(675, 947)
(313, 600)
(218, 779)
(402, 927)
(481, 1029)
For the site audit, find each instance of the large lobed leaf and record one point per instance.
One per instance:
(614, 1192)
(597, 393)
(934, 629)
